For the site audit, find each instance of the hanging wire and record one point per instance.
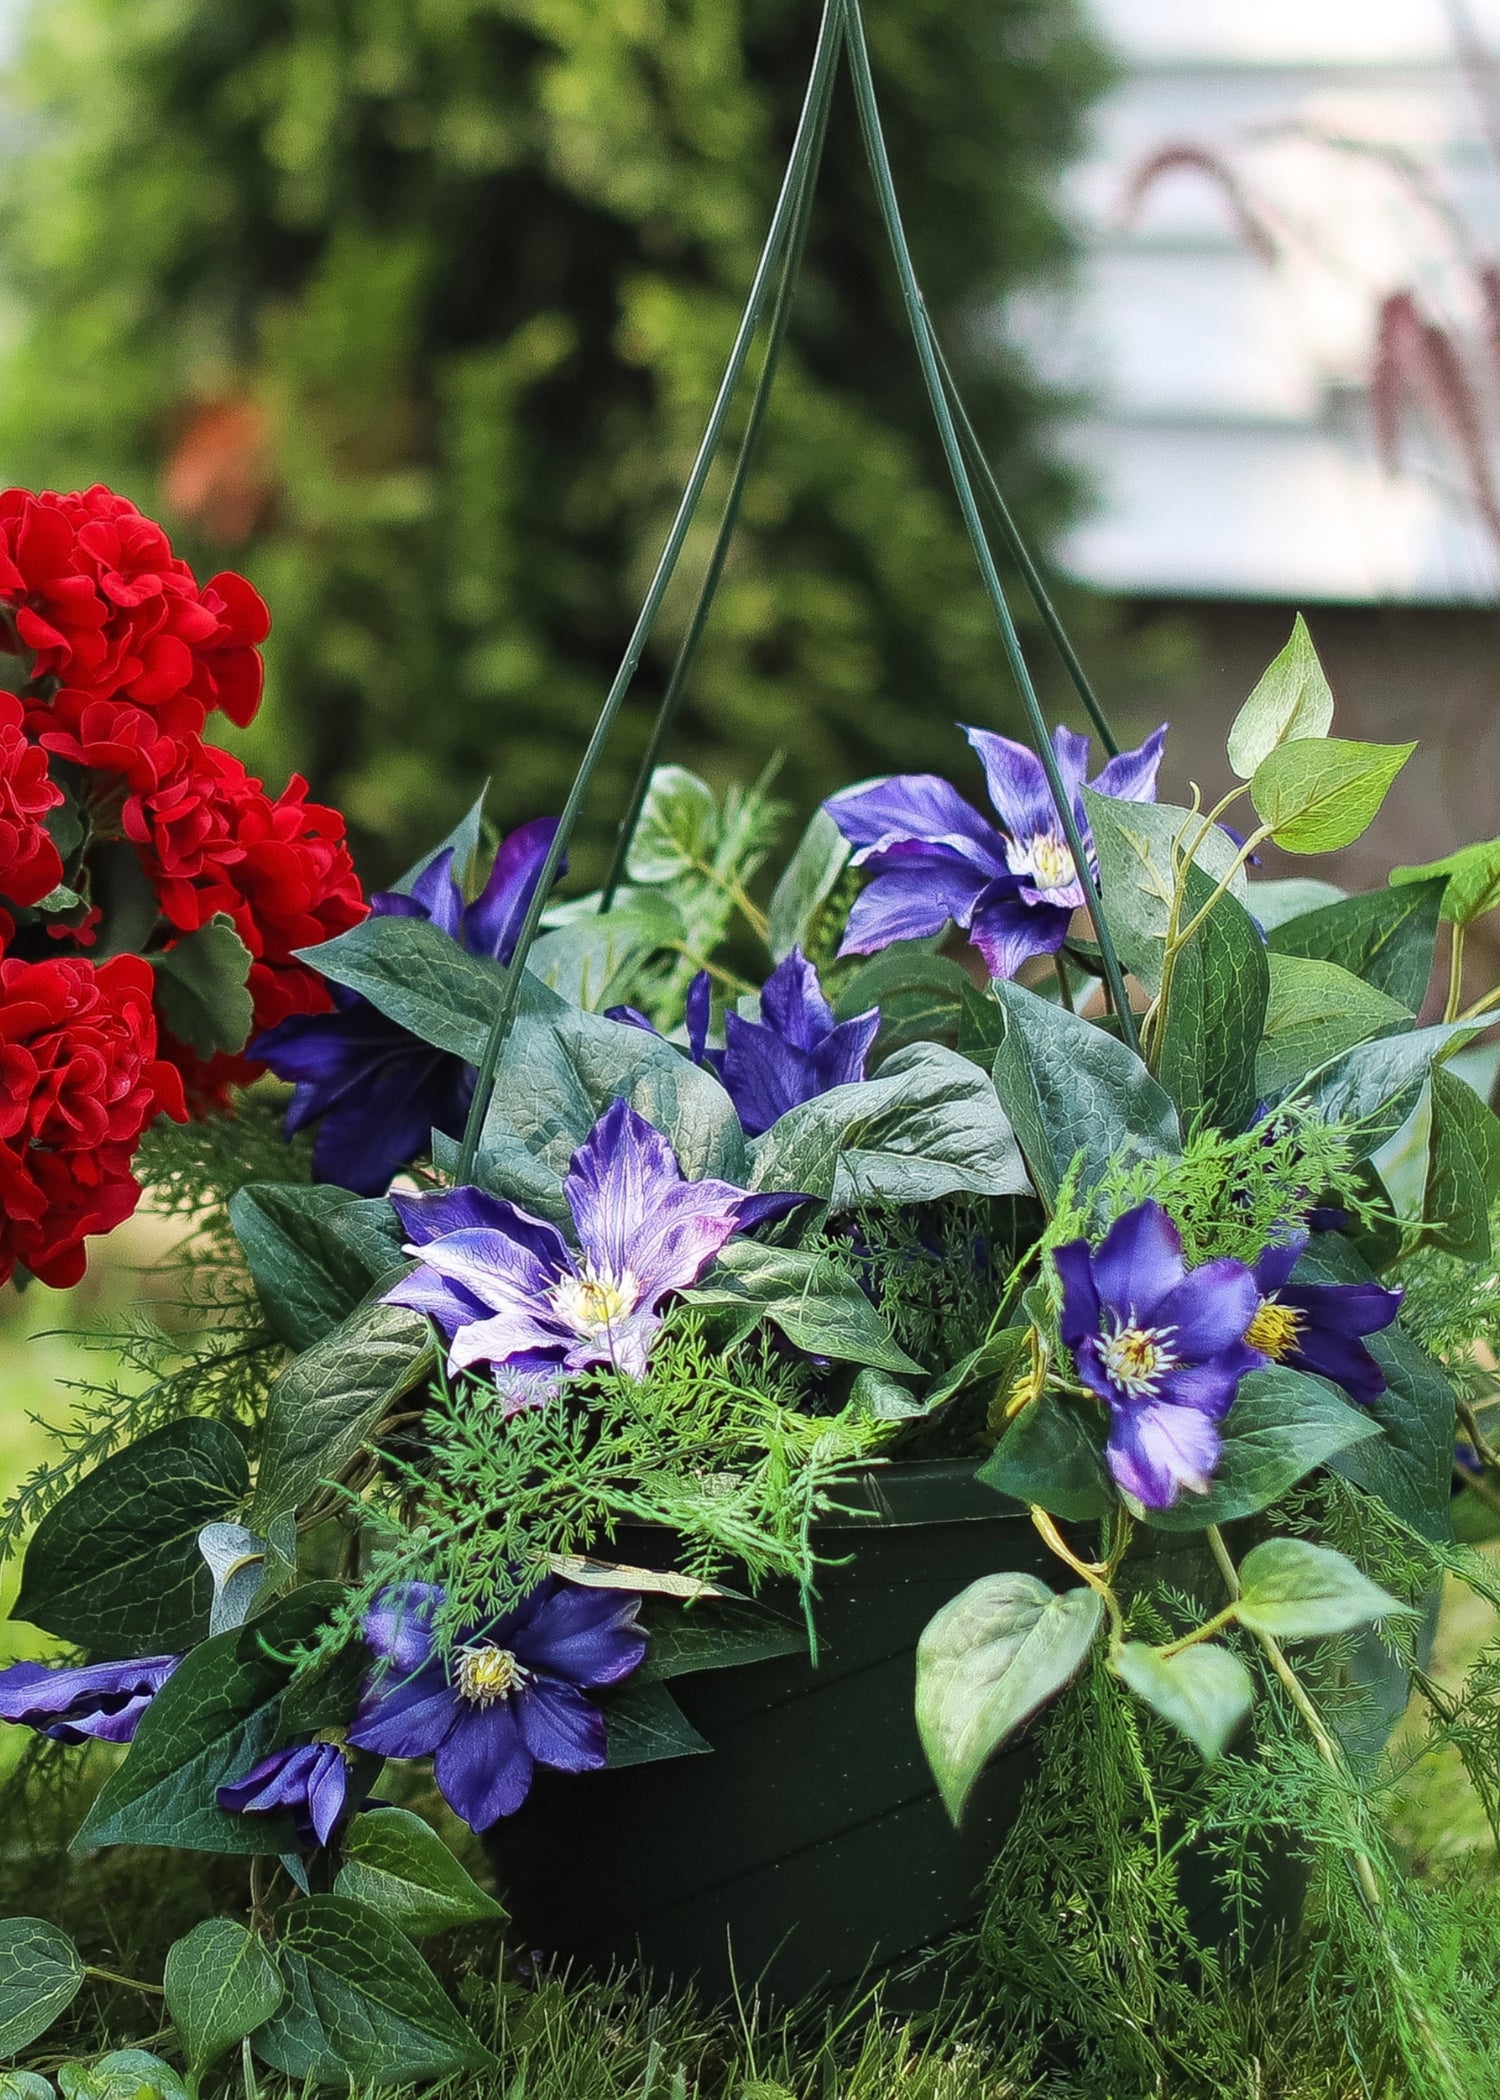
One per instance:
(1022, 556)
(666, 714)
(927, 352)
(813, 117)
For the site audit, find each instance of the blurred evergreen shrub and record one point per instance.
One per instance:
(413, 308)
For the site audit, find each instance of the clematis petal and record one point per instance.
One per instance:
(435, 892)
(1131, 777)
(483, 1769)
(446, 1213)
(1210, 1308)
(1211, 1386)
(99, 1701)
(589, 1637)
(519, 1331)
(424, 1291)
(792, 1002)
(915, 894)
(327, 1793)
(636, 1215)
(1138, 1262)
(397, 1627)
(699, 1011)
(1155, 1451)
(1345, 1308)
(496, 1268)
(1344, 1358)
(764, 1075)
(492, 923)
(1072, 754)
(1274, 1264)
(918, 806)
(560, 1727)
(409, 1717)
(1009, 930)
(1017, 784)
(1082, 1315)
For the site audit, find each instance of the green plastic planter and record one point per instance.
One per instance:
(811, 1848)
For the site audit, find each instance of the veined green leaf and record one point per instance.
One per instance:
(397, 1864)
(1314, 1012)
(1138, 844)
(1204, 1691)
(202, 991)
(1386, 937)
(386, 2017)
(1281, 1425)
(1215, 1012)
(1292, 700)
(1319, 794)
(1295, 1590)
(328, 1402)
(1470, 879)
(41, 1973)
(220, 1985)
(807, 882)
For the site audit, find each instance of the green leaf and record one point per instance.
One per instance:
(1215, 1011)
(398, 1865)
(1373, 1088)
(643, 1724)
(561, 1068)
(999, 1650)
(216, 1716)
(463, 840)
(1463, 1169)
(806, 884)
(386, 2016)
(1204, 1691)
(1320, 793)
(817, 1304)
(294, 2040)
(1387, 938)
(1409, 1466)
(929, 1125)
(1281, 1425)
(1275, 902)
(1136, 843)
(998, 1356)
(202, 988)
(1053, 1454)
(220, 1985)
(1314, 1012)
(115, 1564)
(1292, 700)
(239, 1564)
(124, 2074)
(594, 961)
(308, 1277)
(327, 1404)
(41, 1973)
(1296, 1591)
(1470, 879)
(919, 995)
(419, 977)
(981, 1026)
(25, 2085)
(714, 1635)
(1070, 1088)
(679, 830)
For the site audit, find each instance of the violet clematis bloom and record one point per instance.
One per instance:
(376, 1091)
(793, 1053)
(309, 1781)
(1012, 889)
(100, 1700)
(1163, 1346)
(1317, 1327)
(513, 1694)
(507, 1289)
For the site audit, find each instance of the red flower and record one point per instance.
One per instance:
(30, 865)
(79, 1082)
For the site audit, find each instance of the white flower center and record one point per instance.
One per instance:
(1137, 1358)
(487, 1673)
(592, 1305)
(1047, 860)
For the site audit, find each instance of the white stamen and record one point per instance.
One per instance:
(592, 1305)
(1138, 1358)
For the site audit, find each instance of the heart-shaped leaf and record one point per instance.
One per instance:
(1296, 1590)
(41, 1973)
(220, 1985)
(1204, 1691)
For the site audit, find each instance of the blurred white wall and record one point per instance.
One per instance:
(1231, 444)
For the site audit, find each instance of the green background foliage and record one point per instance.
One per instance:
(476, 265)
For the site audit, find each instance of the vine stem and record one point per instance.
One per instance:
(1455, 974)
(926, 345)
(815, 102)
(1095, 1573)
(126, 1983)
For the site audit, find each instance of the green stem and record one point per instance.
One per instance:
(126, 1983)
(922, 330)
(1205, 1632)
(671, 701)
(1455, 974)
(1094, 1573)
(1177, 939)
(814, 106)
(1064, 989)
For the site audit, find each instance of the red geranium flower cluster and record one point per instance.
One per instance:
(120, 658)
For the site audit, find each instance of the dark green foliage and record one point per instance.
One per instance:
(476, 270)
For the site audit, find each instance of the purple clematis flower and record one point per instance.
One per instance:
(794, 1052)
(513, 1694)
(310, 1782)
(1317, 1326)
(376, 1091)
(507, 1289)
(1014, 889)
(1161, 1345)
(102, 1700)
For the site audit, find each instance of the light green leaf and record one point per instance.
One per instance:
(41, 1973)
(237, 1560)
(1373, 1088)
(1470, 878)
(999, 1650)
(1281, 1425)
(216, 1716)
(1314, 1012)
(1296, 1591)
(25, 2085)
(328, 1402)
(1204, 1691)
(1463, 1169)
(1070, 1088)
(818, 1305)
(463, 839)
(115, 1564)
(1292, 700)
(1386, 938)
(1215, 1011)
(1275, 902)
(678, 833)
(202, 988)
(1135, 842)
(386, 2016)
(1320, 793)
(220, 1985)
(419, 977)
(807, 882)
(595, 960)
(124, 2074)
(1053, 1454)
(398, 1865)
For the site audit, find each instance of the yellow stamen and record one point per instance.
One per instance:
(591, 1305)
(1276, 1328)
(486, 1673)
(1052, 862)
(1136, 1359)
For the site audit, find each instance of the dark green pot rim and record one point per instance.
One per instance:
(929, 1491)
